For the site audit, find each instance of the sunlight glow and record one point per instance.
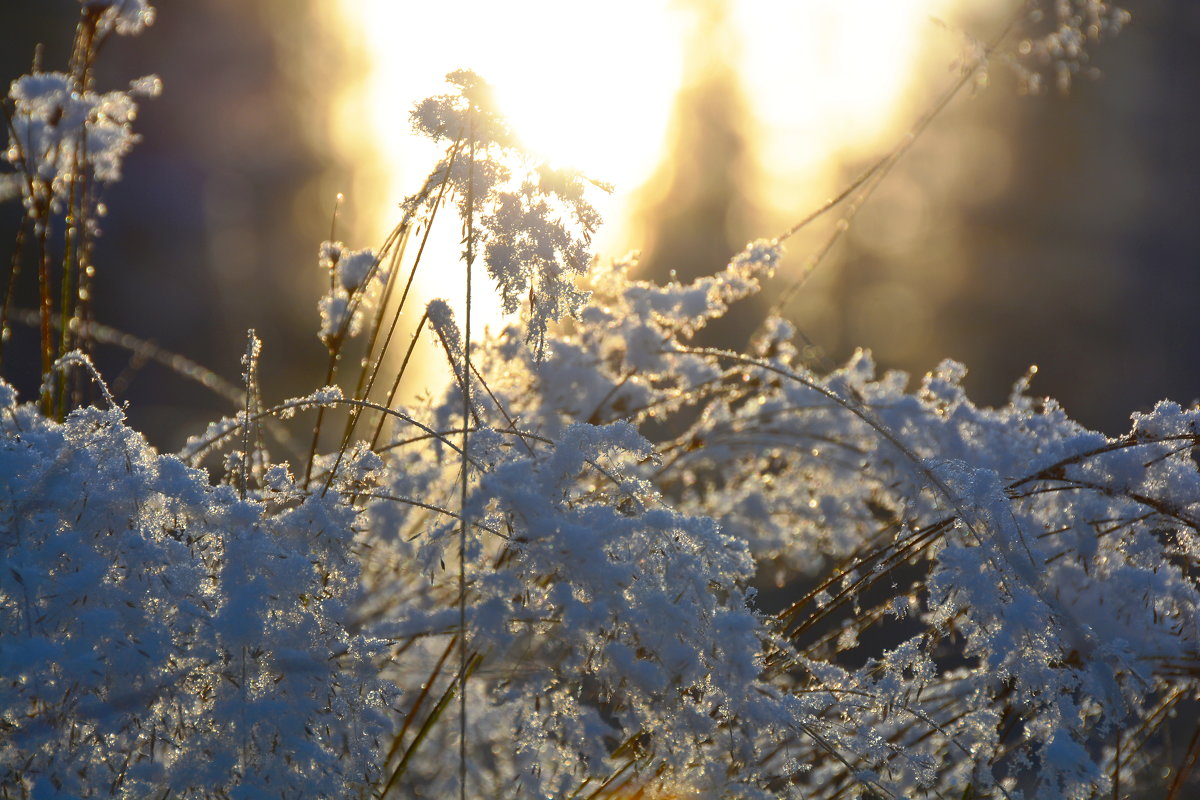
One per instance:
(832, 80)
(593, 86)
(584, 85)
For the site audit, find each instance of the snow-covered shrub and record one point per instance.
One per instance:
(158, 632)
(541, 582)
(1016, 591)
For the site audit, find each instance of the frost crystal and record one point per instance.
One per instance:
(58, 132)
(353, 274)
(149, 617)
(125, 17)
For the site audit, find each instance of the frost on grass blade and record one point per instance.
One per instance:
(77, 358)
(221, 430)
(441, 317)
(1056, 39)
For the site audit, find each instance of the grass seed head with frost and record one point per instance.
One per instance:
(530, 220)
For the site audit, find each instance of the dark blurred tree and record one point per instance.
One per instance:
(1087, 263)
(698, 209)
(1054, 229)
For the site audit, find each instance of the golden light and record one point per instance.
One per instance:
(836, 80)
(592, 85)
(585, 85)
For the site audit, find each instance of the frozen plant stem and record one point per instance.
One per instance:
(464, 521)
(251, 406)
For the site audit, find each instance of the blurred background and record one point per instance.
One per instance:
(1056, 229)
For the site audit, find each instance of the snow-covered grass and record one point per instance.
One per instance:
(510, 591)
